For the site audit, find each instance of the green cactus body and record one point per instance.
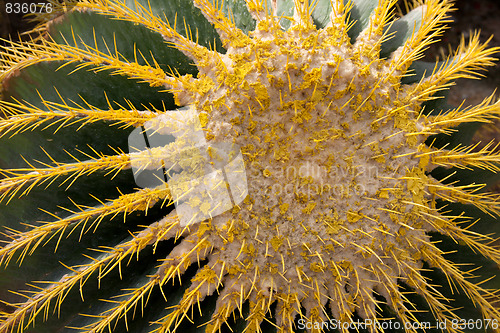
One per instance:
(278, 165)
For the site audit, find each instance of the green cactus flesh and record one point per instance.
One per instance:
(310, 173)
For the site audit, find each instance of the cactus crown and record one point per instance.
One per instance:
(321, 130)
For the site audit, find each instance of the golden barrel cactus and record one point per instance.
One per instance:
(245, 164)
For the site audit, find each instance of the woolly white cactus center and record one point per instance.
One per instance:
(335, 191)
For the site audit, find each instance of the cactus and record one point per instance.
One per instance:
(279, 165)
